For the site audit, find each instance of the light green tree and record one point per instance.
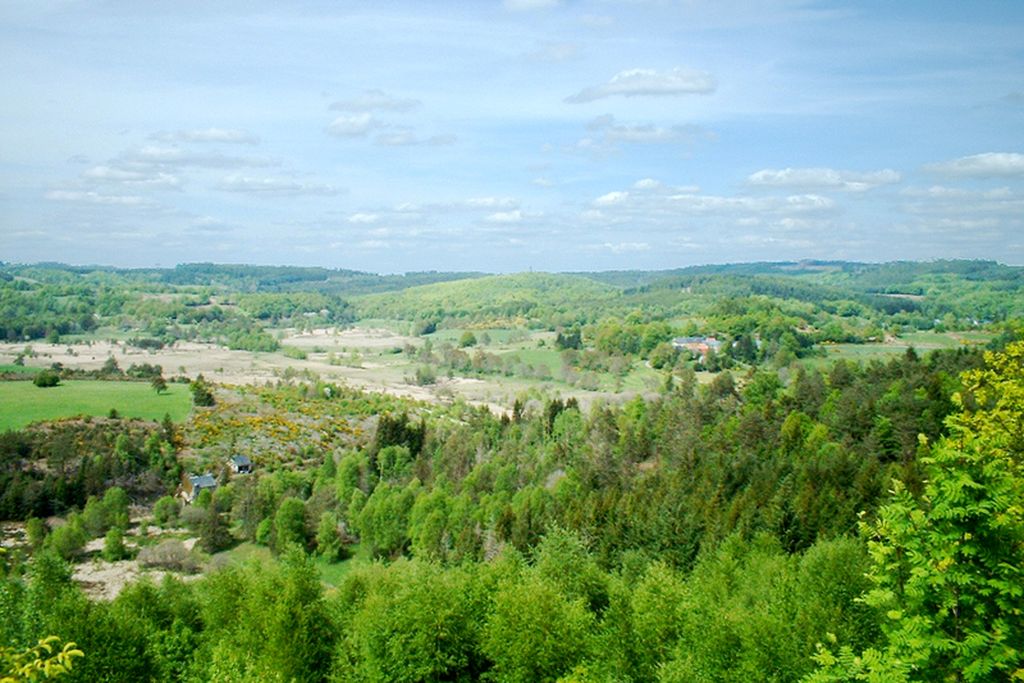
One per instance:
(45, 660)
(948, 568)
(534, 633)
(328, 540)
(290, 524)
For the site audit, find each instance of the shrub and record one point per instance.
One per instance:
(166, 510)
(46, 378)
(170, 555)
(113, 546)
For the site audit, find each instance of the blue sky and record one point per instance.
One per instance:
(510, 134)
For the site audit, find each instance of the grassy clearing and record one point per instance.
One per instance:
(536, 357)
(396, 326)
(945, 340)
(920, 341)
(331, 573)
(243, 552)
(22, 403)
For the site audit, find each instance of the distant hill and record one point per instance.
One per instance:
(521, 297)
(238, 277)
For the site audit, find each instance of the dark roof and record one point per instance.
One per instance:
(240, 460)
(203, 481)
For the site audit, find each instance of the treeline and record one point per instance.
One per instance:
(52, 468)
(747, 611)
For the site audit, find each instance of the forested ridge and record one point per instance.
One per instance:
(724, 473)
(724, 532)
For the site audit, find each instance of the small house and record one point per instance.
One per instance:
(194, 484)
(240, 464)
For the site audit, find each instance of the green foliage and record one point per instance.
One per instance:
(266, 623)
(67, 540)
(46, 378)
(425, 376)
(534, 633)
(47, 659)
(213, 530)
(947, 567)
(159, 384)
(293, 352)
(290, 524)
(383, 521)
(113, 546)
(166, 510)
(328, 538)
(35, 532)
(202, 395)
(415, 622)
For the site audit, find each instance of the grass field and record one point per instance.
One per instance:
(17, 369)
(331, 573)
(922, 342)
(22, 403)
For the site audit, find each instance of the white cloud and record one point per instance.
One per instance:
(940, 200)
(227, 135)
(406, 137)
(156, 155)
(352, 125)
(648, 82)
(364, 218)
(138, 178)
(611, 199)
(624, 247)
(659, 206)
(612, 133)
(944, 192)
(375, 100)
(987, 165)
(89, 197)
(273, 187)
(505, 217)
(809, 202)
(828, 178)
(528, 5)
(491, 203)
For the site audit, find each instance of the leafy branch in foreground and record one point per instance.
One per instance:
(948, 569)
(47, 659)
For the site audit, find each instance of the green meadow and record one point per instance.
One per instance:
(22, 403)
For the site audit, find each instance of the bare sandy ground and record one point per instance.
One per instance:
(102, 580)
(366, 358)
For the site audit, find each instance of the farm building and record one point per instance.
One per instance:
(698, 346)
(194, 484)
(240, 464)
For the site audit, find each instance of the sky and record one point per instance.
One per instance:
(509, 135)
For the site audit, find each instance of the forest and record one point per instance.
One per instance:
(772, 511)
